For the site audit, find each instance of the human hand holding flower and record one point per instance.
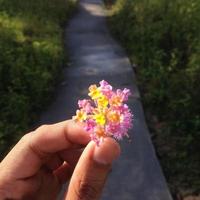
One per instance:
(49, 156)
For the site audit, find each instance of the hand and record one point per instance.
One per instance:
(46, 158)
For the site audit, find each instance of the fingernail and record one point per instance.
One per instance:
(107, 152)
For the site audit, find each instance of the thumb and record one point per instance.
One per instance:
(92, 169)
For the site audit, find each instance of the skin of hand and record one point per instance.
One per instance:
(51, 155)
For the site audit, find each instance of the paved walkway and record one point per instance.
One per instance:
(95, 56)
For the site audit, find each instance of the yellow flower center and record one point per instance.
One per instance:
(100, 118)
(113, 116)
(94, 92)
(80, 115)
(100, 131)
(102, 101)
(116, 101)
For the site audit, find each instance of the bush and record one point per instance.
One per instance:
(163, 38)
(31, 58)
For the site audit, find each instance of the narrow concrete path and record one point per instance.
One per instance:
(95, 56)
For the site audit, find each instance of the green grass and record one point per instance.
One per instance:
(162, 38)
(31, 57)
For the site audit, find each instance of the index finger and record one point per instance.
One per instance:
(57, 137)
(30, 153)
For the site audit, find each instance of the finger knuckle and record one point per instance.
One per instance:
(87, 190)
(25, 138)
(43, 128)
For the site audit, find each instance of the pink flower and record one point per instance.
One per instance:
(124, 94)
(90, 124)
(106, 89)
(103, 83)
(106, 115)
(85, 105)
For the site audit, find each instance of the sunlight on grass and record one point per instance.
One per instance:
(31, 58)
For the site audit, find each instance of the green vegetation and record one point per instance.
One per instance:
(163, 38)
(32, 55)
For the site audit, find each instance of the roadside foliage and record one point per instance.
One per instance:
(163, 39)
(31, 57)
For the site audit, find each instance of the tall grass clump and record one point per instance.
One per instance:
(163, 38)
(31, 56)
